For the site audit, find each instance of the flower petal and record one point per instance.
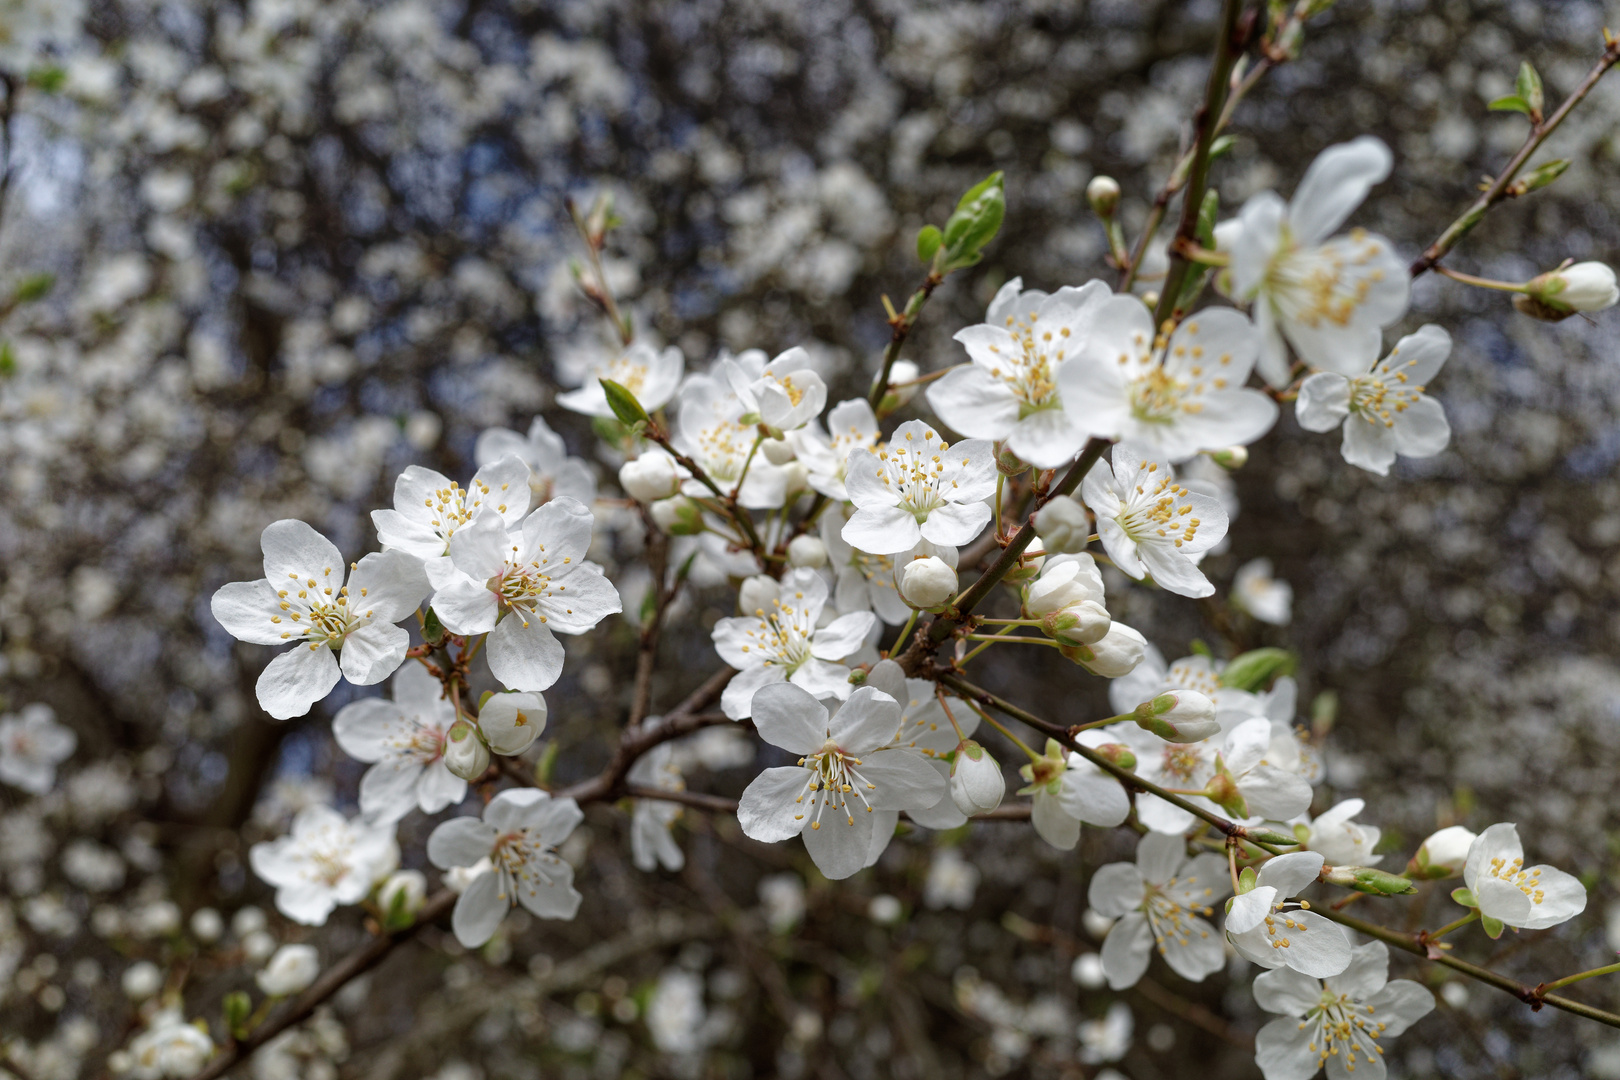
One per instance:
(1335, 184)
(479, 911)
(296, 680)
(372, 653)
(883, 530)
(1117, 888)
(1324, 401)
(773, 808)
(246, 610)
(840, 846)
(789, 717)
(1126, 951)
(460, 841)
(523, 654)
(293, 550)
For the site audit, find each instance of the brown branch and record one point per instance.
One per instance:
(1502, 187)
(901, 325)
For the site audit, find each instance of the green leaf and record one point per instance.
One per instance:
(238, 1007)
(1465, 897)
(432, 629)
(1493, 927)
(928, 240)
(8, 360)
(1222, 146)
(623, 403)
(1511, 103)
(649, 604)
(35, 286)
(1255, 670)
(1528, 87)
(1543, 175)
(49, 79)
(975, 222)
(1275, 839)
(398, 916)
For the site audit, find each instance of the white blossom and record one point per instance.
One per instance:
(1530, 899)
(928, 582)
(1063, 525)
(918, 488)
(1068, 790)
(1150, 524)
(952, 881)
(519, 834)
(303, 599)
(1009, 392)
(925, 728)
(522, 584)
(1335, 1022)
(1198, 673)
(1107, 1039)
(170, 1048)
(1231, 770)
(651, 844)
(1068, 598)
(651, 375)
(551, 471)
(1444, 854)
(323, 862)
(851, 425)
(1269, 930)
(862, 581)
(32, 745)
(846, 773)
(1382, 406)
(429, 508)
(652, 476)
(784, 394)
(1263, 596)
(404, 739)
(977, 783)
(1341, 840)
(785, 643)
(1167, 398)
(292, 969)
(1328, 297)
(511, 722)
(1161, 901)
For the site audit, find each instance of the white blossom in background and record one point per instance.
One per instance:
(519, 834)
(845, 775)
(1167, 399)
(1009, 391)
(404, 739)
(324, 861)
(523, 584)
(32, 745)
(785, 643)
(952, 881)
(1068, 790)
(1335, 1022)
(429, 507)
(782, 897)
(551, 471)
(1161, 901)
(651, 844)
(1330, 298)
(1382, 406)
(1342, 840)
(1149, 524)
(652, 475)
(1108, 1039)
(292, 969)
(652, 375)
(709, 429)
(851, 425)
(1530, 899)
(1268, 929)
(303, 599)
(169, 1048)
(675, 1012)
(919, 487)
(862, 581)
(1264, 596)
(784, 394)
(27, 26)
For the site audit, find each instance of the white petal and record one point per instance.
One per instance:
(868, 720)
(1368, 445)
(388, 789)
(1293, 873)
(479, 911)
(882, 530)
(481, 548)
(954, 524)
(770, 810)
(843, 636)
(1250, 909)
(738, 696)
(1158, 857)
(1126, 951)
(465, 606)
(1399, 1005)
(1052, 824)
(971, 402)
(524, 655)
(1287, 992)
(294, 550)
(372, 653)
(1562, 898)
(1194, 950)
(1257, 242)
(296, 680)
(786, 716)
(1324, 401)
(902, 779)
(245, 609)
(1283, 1048)
(1335, 184)
(840, 846)
(1171, 570)
(1117, 888)
(1048, 438)
(1422, 431)
(1366, 975)
(580, 600)
(460, 841)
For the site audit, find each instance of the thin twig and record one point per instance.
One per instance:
(900, 328)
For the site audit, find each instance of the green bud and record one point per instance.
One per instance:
(1375, 882)
(975, 222)
(238, 1007)
(1118, 753)
(623, 403)
(1541, 176)
(1528, 87)
(1275, 839)
(1223, 791)
(1103, 195)
(857, 676)
(433, 631)
(928, 240)
(1232, 458)
(49, 79)
(1255, 669)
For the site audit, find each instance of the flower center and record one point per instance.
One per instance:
(783, 636)
(1181, 763)
(1377, 401)
(526, 590)
(1514, 873)
(1344, 1025)
(1028, 373)
(835, 785)
(1323, 284)
(1160, 511)
(915, 472)
(1169, 918)
(316, 612)
(452, 507)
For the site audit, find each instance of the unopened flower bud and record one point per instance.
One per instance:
(650, 477)
(808, 552)
(1114, 656)
(465, 754)
(903, 371)
(1009, 463)
(405, 888)
(758, 594)
(1587, 286)
(1232, 458)
(977, 784)
(1181, 716)
(1063, 526)
(777, 451)
(1118, 753)
(291, 970)
(1366, 879)
(511, 722)
(677, 516)
(1442, 855)
(928, 583)
(1085, 623)
(1103, 195)
(1223, 791)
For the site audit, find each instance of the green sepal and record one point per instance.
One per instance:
(1380, 883)
(975, 222)
(397, 917)
(624, 404)
(1222, 146)
(1465, 897)
(1255, 669)
(483, 699)
(1247, 880)
(433, 631)
(1275, 839)
(1543, 175)
(34, 287)
(1493, 927)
